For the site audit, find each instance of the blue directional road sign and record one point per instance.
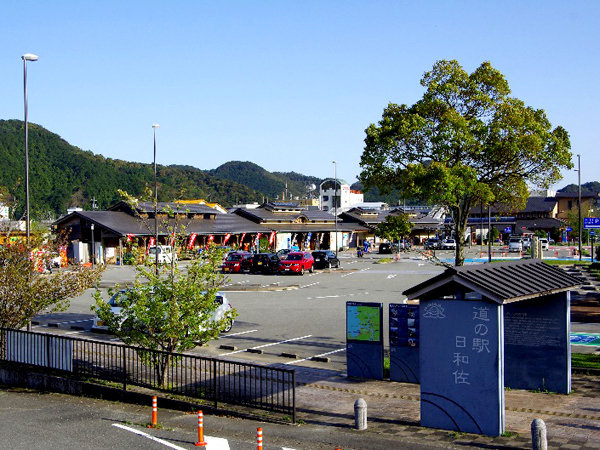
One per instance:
(508, 230)
(569, 229)
(591, 222)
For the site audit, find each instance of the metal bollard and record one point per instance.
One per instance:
(360, 414)
(539, 440)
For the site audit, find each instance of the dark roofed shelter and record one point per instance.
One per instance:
(484, 327)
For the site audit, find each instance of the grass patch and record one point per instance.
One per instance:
(386, 367)
(562, 262)
(384, 261)
(586, 360)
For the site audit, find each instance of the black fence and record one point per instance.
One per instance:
(252, 385)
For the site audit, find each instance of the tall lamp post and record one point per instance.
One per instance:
(579, 201)
(154, 127)
(26, 57)
(335, 205)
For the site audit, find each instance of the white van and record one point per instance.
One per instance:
(515, 244)
(166, 255)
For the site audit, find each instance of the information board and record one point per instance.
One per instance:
(404, 343)
(363, 321)
(591, 222)
(364, 340)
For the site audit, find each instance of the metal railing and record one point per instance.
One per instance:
(252, 385)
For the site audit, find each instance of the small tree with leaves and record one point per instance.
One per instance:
(394, 227)
(169, 310)
(26, 291)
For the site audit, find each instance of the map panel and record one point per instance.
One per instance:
(363, 322)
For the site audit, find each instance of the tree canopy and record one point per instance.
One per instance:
(466, 141)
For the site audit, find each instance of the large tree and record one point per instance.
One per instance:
(466, 141)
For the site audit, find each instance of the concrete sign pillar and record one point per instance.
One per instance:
(461, 359)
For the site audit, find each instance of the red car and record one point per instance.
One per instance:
(237, 262)
(297, 262)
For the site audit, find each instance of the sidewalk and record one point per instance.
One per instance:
(573, 421)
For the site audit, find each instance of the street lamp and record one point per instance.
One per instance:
(579, 202)
(26, 57)
(154, 127)
(335, 205)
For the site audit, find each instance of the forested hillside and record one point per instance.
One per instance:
(62, 175)
(272, 185)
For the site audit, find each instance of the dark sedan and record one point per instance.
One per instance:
(325, 259)
(265, 263)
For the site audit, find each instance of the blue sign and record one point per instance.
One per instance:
(461, 366)
(364, 340)
(591, 222)
(404, 343)
(508, 230)
(569, 229)
(592, 233)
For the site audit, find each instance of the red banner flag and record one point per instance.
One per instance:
(272, 238)
(192, 240)
(227, 236)
(150, 244)
(129, 237)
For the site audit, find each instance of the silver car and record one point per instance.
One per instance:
(218, 314)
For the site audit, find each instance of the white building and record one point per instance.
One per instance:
(4, 212)
(346, 197)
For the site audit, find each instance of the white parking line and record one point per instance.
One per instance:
(237, 334)
(392, 276)
(75, 321)
(317, 356)
(267, 345)
(309, 285)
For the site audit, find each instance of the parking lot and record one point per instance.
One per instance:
(287, 319)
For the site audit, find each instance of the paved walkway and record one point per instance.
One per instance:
(573, 421)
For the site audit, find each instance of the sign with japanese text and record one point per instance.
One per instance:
(461, 366)
(591, 222)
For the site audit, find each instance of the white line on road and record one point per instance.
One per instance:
(392, 276)
(74, 321)
(146, 435)
(267, 345)
(317, 356)
(237, 334)
(309, 285)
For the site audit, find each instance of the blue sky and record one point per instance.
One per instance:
(290, 86)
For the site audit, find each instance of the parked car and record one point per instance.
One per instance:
(237, 262)
(404, 245)
(325, 259)
(116, 300)
(545, 244)
(265, 263)
(448, 244)
(385, 248)
(283, 253)
(526, 243)
(515, 244)
(166, 255)
(432, 244)
(297, 262)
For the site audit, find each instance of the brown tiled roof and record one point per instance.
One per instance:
(503, 282)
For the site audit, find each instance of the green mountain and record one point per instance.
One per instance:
(272, 185)
(62, 175)
(592, 186)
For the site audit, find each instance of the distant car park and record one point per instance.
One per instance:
(432, 244)
(448, 244)
(545, 243)
(325, 259)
